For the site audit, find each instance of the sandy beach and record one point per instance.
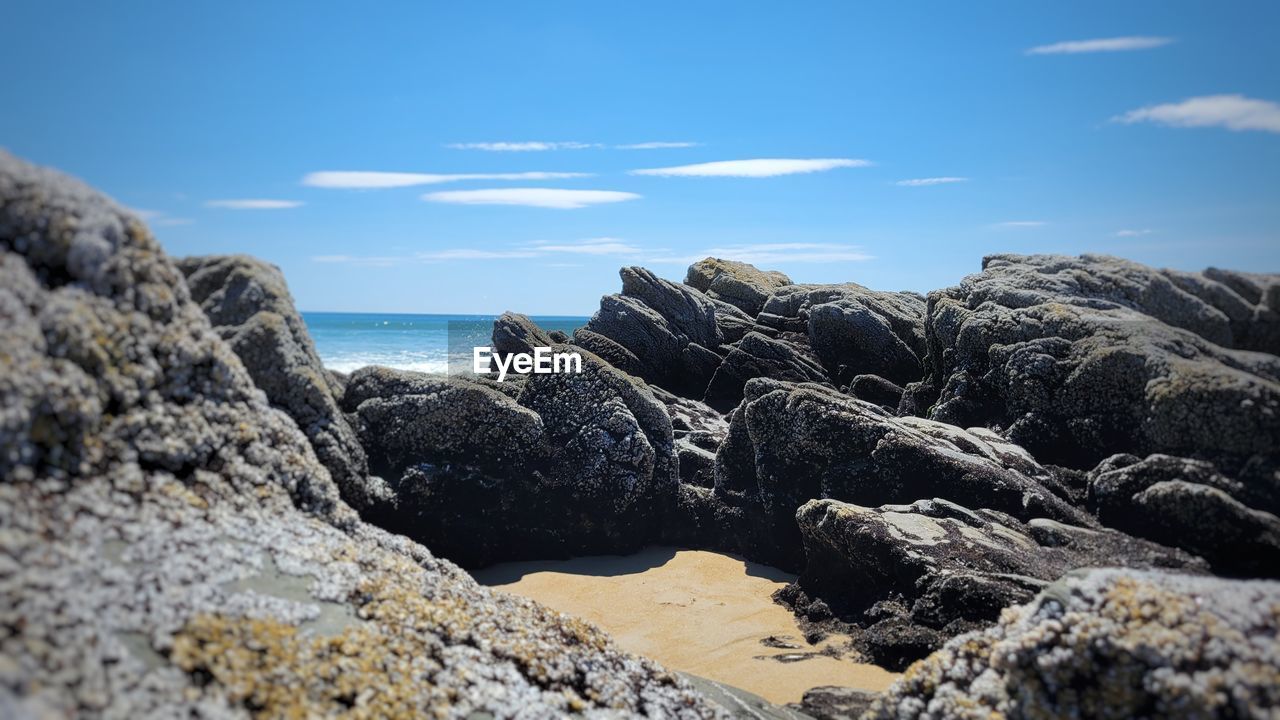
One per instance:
(700, 612)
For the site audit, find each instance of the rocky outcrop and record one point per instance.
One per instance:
(248, 303)
(1109, 643)
(515, 333)
(567, 463)
(1189, 504)
(1074, 375)
(173, 547)
(911, 576)
(736, 283)
(669, 329)
(758, 356)
(853, 330)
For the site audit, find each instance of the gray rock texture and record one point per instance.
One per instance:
(1189, 504)
(670, 329)
(248, 303)
(1109, 644)
(1046, 348)
(854, 330)
(933, 569)
(172, 546)
(737, 283)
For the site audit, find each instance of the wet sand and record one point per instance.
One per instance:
(700, 612)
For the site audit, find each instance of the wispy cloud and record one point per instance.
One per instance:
(542, 146)
(1234, 112)
(657, 145)
(1115, 44)
(590, 246)
(530, 146)
(532, 197)
(1133, 233)
(756, 168)
(765, 253)
(253, 204)
(1020, 224)
(925, 182)
(159, 218)
(601, 246)
(369, 179)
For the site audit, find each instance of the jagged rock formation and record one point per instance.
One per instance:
(1109, 644)
(171, 545)
(914, 575)
(549, 466)
(1075, 374)
(248, 303)
(737, 283)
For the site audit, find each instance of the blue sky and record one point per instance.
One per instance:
(1146, 129)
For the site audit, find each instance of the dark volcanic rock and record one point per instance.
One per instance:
(876, 390)
(1189, 504)
(249, 304)
(836, 703)
(737, 283)
(758, 356)
(669, 329)
(1109, 643)
(515, 333)
(172, 547)
(1074, 376)
(853, 330)
(945, 568)
(804, 441)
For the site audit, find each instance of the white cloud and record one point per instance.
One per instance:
(925, 182)
(159, 218)
(368, 179)
(591, 246)
(253, 204)
(473, 254)
(522, 146)
(657, 145)
(1021, 224)
(766, 253)
(1115, 44)
(531, 197)
(1133, 233)
(757, 168)
(1234, 112)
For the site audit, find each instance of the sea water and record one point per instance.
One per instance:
(347, 341)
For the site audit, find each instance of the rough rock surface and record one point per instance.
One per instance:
(934, 569)
(737, 283)
(1109, 644)
(171, 545)
(249, 305)
(854, 330)
(1189, 504)
(562, 464)
(835, 703)
(1074, 373)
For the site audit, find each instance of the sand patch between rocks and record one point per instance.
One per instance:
(700, 612)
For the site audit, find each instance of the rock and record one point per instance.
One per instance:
(515, 333)
(876, 390)
(1189, 504)
(1072, 374)
(248, 303)
(948, 568)
(737, 283)
(759, 356)
(1109, 643)
(836, 703)
(804, 441)
(853, 330)
(172, 547)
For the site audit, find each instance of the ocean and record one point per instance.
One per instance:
(347, 341)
